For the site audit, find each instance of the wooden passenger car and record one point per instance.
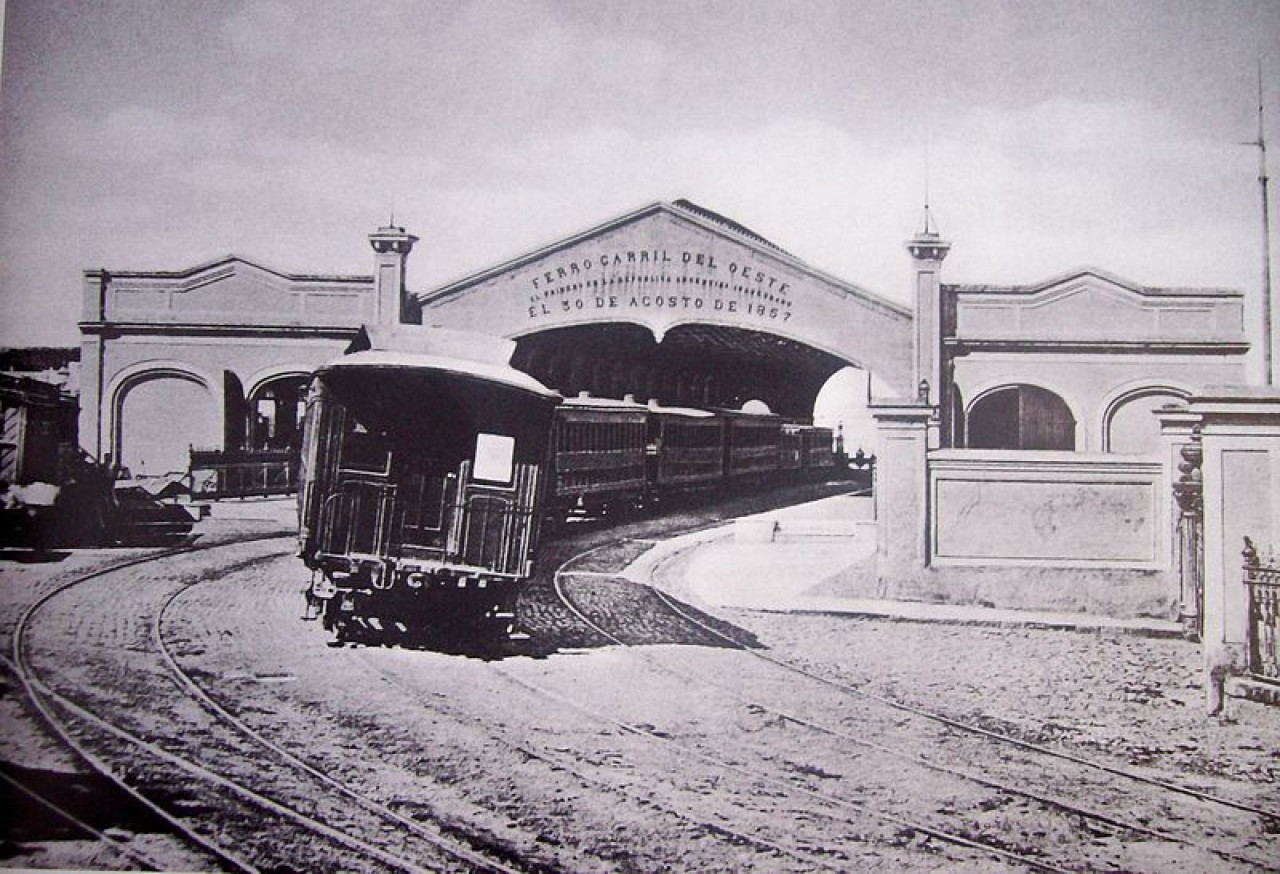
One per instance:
(817, 451)
(752, 444)
(598, 449)
(686, 448)
(791, 448)
(421, 481)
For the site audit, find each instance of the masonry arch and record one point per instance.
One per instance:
(159, 410)
(714, 297)
(274, 405)
(1129, 425)
(691, 364)
(1021, 416)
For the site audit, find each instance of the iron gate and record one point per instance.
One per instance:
(1262, 579)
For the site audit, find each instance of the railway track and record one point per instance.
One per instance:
(1122, 821)
(246, 800)
(241, 815)
(596, 778)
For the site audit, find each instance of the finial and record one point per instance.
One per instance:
(929, 227)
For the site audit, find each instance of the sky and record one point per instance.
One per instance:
(141, 135)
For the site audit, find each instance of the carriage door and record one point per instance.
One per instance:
(487, 509)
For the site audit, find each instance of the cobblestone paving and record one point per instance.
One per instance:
(28, 754)
(1131, 700)
(599, 548)
(1135, 699)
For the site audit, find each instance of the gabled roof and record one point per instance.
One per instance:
(727, 223)
(231, 262)
(1097, 273)
(682, 210)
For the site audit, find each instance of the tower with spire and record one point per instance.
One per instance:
(928, 249)
(391, 246)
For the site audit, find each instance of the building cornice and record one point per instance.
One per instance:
(187, 329)
(961, 346)
(228, 261)
(1094, 272)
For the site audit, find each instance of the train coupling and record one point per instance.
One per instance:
(323, 587)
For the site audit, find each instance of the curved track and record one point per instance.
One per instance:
(757, 794)
(236, 799)
(583, 773)
(1126, 822)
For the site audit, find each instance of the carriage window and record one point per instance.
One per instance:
(495, 454)
(366, 451)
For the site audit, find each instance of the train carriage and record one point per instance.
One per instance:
(423, 476)
(686, 448)
(791, 454)
(430, 466)
(752, 445)
(816, 448)
(599, 452)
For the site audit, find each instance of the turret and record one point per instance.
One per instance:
(928, 250)
(392, 305)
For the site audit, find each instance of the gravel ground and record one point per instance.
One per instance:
(30, 837)
(1135, 699)
(459, 739)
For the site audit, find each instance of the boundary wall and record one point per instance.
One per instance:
(1057, 531)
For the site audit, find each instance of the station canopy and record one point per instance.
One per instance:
(694, 365)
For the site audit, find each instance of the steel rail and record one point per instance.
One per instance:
(119, 846)
(563, 764)
(1064, 805)
(199, 771)
(940, 834)
(41, 694)
(31, 687)
(459, 851)
(961, 725)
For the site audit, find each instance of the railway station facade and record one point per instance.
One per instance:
(671, 302)
(1021, 453)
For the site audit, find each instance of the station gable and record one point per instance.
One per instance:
(1092, 306)
(673, 264)
(229, 291)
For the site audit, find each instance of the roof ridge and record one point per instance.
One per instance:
(728, 224)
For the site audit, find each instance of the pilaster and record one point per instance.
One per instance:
(901, 489)
(1240, 432)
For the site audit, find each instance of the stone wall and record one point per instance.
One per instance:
(1048, 509)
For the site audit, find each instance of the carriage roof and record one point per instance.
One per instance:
(587, 401)
(500, 374)
(683, 412)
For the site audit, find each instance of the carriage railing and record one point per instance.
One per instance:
(1262, 580)
(237, 473)
(353, 520)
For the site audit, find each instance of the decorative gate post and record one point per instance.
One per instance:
(1189, 493)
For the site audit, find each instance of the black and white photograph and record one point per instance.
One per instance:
(589, 436)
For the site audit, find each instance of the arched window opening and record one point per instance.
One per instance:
(1133, 428)
(1021, 417)
(160, 418)
(276, 412)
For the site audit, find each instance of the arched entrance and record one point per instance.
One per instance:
(692, 365)
(160, 411)
(676, 303)
(1021, 417)
(275, 411)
